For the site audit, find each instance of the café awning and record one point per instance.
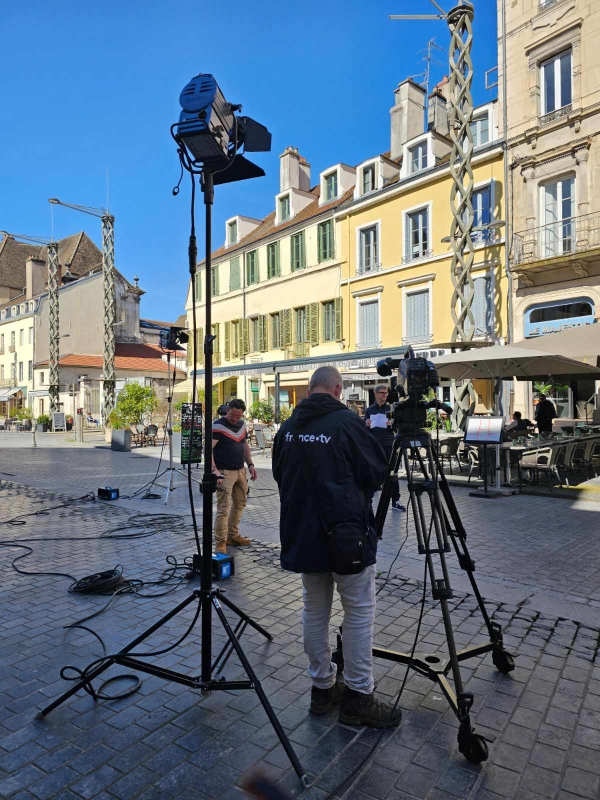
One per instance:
(5, 394)
(581, 344)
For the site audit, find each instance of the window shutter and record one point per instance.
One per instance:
(245, 344)
(417, 311)
(312, 323)
(190, 352)
(369, 322)
(227, 341)
(262, 333)
(339, 335)
(200, 346)
(286, 317)
(234, 274)
(217, 342)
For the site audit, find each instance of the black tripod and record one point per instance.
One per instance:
(439, 529)
(207, 597)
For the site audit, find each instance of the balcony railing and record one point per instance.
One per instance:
(368, 345)
(408, 259)
(7, 383)
(11, 348)
(554, 115)
(561, 238)
(424, 339)
(367, 270)
(297, 350)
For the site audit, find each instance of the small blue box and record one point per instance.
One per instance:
(108, 493)
(223, 567)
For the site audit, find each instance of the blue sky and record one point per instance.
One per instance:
(90, 87)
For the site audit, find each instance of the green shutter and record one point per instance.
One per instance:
(234, 274)
(263, 334)
(245, 348)
(216, 342)
(312, 323)
(200, 346)
(235, 334)
(286, 325)
(339, 334)
(190, 352)
(227, 338)
(198, 285)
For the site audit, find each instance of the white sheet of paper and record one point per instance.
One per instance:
(378, 421)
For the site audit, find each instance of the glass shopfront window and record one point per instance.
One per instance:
(558, 315)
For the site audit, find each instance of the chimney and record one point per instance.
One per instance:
(294, 171)
(35, 277)
(406, 115)
(437, 109)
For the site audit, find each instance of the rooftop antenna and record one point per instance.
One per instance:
(428, 59)
(460, 22)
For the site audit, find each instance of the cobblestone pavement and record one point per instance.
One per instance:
(542, 720)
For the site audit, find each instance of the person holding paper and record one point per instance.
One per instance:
(381, 427)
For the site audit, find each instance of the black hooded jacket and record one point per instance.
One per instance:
(326, 465)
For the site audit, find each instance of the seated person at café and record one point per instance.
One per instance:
(518, 424)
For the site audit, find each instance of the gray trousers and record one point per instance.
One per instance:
(357, 593)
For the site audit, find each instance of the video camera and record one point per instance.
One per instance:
(416, 377)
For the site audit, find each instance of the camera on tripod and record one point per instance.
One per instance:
(416, 376)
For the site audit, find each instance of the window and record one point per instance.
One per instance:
(1, 372)
(235, 280)
(417, 234)
(480, 128)
(418, 157)
(232, 232)
(13, 372)
(558, 230)
(298, 252)
(325, 236)
(481, 307)
(2, 342)
(273, 260)
(559, 315)
(579, 308)
(301, 324)
(368, 324)
(556, 83)
(42, 378)
(13, 338)
(20, 370)
(214, 281)
(251, 268)
(331, 186)
(329, 321)
(368, 179)
(30, 335)
(482, 213)
(417, 316)
(30, 371)
(22, 308)
(276, 341)
(22, 336)
(198, 285)
(284, 208)
(254, 334)
(368, 259)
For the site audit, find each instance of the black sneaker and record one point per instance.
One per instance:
(322, 700)
(397, 506)
(365, 709)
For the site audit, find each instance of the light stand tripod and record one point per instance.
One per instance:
(207, 597)
(445, 527)
(170, 470)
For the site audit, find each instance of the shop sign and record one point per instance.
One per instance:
(540, 328)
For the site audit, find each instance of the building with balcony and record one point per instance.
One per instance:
(552, 124)
(348, 271)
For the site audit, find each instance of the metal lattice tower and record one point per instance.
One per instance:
(54, 326)
(110, 311)
(109, 298)
(460, 21)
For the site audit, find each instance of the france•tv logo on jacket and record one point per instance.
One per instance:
(306, 437)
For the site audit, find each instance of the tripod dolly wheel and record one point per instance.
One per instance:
(503, 661)
(473, 747)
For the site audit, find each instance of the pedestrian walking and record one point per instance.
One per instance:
(545, 412)
(230, 450)
(381, 428)
(327, 465)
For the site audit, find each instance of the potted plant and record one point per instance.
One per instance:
(134, 403)
(43, 423)
(69, 422)
(23, 415)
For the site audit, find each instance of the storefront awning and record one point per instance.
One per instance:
(185, 387)
(5, 394)
(39, 393)
(580, 343)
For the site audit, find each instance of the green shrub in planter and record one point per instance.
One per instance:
(43, 419)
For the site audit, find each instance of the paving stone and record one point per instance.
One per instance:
(580, 783)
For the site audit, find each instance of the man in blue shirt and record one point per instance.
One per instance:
(384, 435)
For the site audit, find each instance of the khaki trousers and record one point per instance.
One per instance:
(231, 501)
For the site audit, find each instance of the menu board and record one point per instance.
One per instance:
(484, 430)
(58, 421)
(187, 441)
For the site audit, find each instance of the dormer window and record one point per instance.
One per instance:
(13, 311)
(418, 157)
(480, 128)
(22, 308)
(368, 179)
(331, 186)
(284, 208)
(232, 232)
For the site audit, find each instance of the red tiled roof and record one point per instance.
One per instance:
(142, 357)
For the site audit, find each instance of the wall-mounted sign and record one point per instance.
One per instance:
(559, 315)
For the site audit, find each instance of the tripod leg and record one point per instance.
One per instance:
(243, 616)
(285, 742)
(386, 491)
(115, 659)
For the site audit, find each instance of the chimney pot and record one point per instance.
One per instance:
(407, 115)
(294, 171)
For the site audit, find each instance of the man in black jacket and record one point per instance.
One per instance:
(327, 465)
(384, 435)
(544, 414)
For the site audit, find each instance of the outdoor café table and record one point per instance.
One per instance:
(536, 444)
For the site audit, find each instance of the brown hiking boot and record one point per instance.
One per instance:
(365, 709)
(321, 700)
(221, 549)
(239, 540)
